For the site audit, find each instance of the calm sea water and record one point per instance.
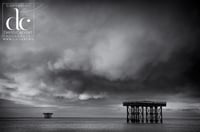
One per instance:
(95, 125)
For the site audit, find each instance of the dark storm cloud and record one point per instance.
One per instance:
(161, 72)
(104, 52)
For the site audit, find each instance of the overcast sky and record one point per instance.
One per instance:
(90, 56)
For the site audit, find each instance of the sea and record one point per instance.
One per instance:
(76, 124)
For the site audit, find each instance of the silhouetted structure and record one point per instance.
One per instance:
(144, 111)
(47, 115)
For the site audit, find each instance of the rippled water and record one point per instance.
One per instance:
(94, 125)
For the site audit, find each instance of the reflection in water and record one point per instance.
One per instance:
(94, 124)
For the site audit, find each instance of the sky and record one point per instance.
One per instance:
(88, 57)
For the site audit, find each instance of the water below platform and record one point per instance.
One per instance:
(95, 125)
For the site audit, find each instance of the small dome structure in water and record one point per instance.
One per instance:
(47, 115)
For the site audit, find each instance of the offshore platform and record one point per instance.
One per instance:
(144, 111)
